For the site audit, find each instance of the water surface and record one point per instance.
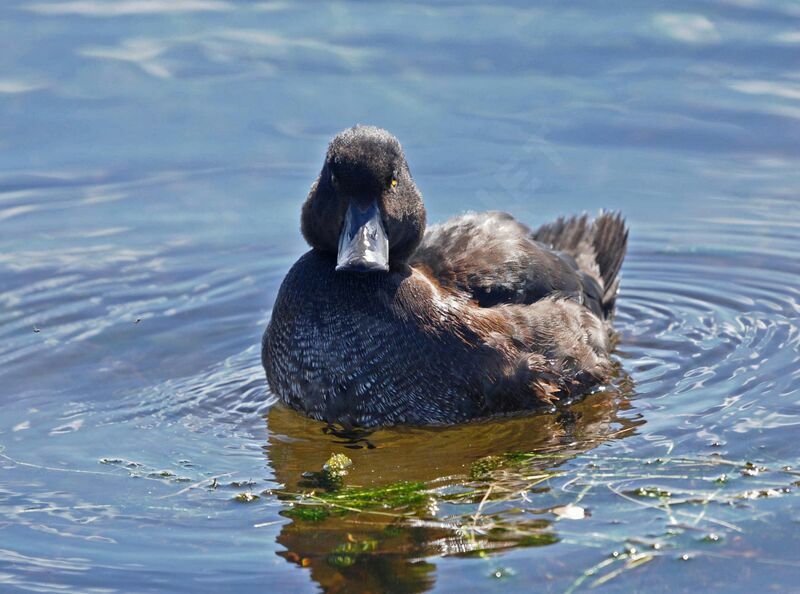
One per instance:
(154, 159)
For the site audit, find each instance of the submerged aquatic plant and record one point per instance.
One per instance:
(691, 506)
(531, 499)
(328, 494)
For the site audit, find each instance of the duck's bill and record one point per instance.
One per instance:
(363, 244)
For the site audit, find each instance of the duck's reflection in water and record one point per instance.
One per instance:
(382, 552)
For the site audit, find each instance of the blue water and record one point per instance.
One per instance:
(155, 154)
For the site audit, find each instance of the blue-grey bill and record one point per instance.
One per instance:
(363, 244)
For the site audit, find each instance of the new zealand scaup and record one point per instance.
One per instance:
(385, 323)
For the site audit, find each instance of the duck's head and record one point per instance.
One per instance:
(364, 206)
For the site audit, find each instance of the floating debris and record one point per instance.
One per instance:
(653, 492)
(570, 512)
(337, 465)
(242, 484)
(759, 493)
(246, 497)
(502, 573)
(483, 468)
(751, 469)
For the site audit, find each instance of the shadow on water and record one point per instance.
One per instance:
(411, 495)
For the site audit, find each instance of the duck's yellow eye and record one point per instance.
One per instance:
(394, 182)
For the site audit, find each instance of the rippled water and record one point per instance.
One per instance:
(155, 155)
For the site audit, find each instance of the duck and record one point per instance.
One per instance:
(386, 321)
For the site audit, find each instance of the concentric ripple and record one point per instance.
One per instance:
(716, 335)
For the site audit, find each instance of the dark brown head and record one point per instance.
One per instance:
(364, 206)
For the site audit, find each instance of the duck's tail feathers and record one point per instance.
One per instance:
(598, 247)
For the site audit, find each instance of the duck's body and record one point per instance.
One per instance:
(482, 316)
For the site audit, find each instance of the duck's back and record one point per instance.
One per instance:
(498, 260)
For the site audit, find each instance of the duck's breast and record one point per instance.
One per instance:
(371, 349)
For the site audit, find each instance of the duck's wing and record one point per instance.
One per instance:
(498, 260)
